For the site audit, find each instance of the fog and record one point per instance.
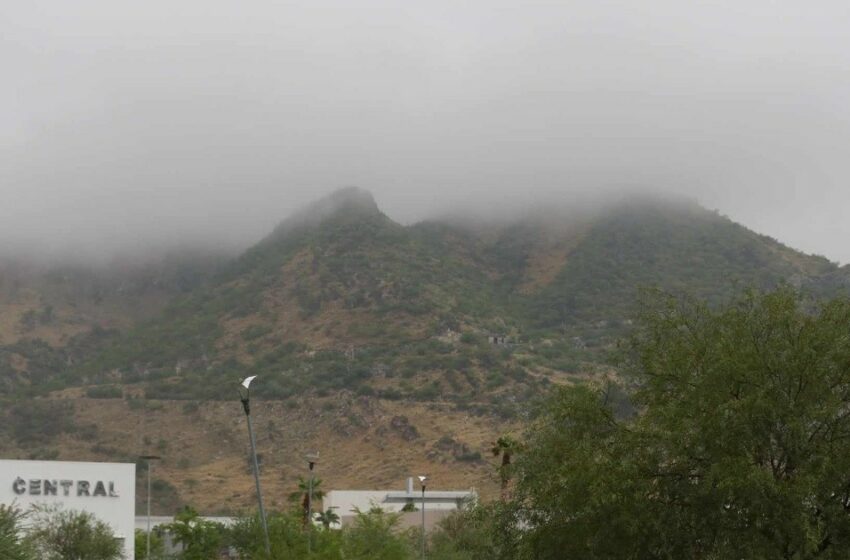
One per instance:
(135, 126)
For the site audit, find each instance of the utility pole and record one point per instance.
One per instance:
(422, 480)
(312, 459)
(148, 459)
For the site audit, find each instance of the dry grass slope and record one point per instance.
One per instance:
(364, 443)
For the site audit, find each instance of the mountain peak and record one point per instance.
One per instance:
(349, 202)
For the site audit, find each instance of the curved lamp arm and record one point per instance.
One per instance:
(245, 395)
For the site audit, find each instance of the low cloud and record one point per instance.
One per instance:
(136, 127)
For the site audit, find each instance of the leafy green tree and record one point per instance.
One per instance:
(741, 448)
(200, 539)
(374, 536)
(286, 536)
(71, 535)
(12, 546)
(466, 534)
(157, 545)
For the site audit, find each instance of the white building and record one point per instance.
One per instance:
(106, 490)
(438, 503)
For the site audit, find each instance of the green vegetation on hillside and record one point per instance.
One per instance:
(342, 298)
(681, 249)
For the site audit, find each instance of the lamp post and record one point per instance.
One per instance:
(422, 480)
(312, 459)
(148, 459)
(245, 397)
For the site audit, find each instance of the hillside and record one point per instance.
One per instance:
(680, 248)
(360, 327)
(54, 317)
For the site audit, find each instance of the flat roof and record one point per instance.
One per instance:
(141, 521)
(59, 462)
(444, 494)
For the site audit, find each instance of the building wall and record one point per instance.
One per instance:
(406, 520)
(438, 504)
(345, 501)
(106, 490)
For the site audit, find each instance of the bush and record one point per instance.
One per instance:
(469, 533)
(157, 545)
(12, 546)
(470, 338)
(104, 392)
(469, 456)
(374, 536)
(66, 535)
(255, 331)
(200, 539)
(190, 407)
(38, 421)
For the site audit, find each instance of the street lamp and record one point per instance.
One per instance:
(422, 480)
(245, 397)
(148, 459)
(312, 459)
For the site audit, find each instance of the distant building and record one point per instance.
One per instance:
(498, 339)
(105, 490)
(438, 503)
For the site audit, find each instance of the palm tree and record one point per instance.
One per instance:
(302, 495)
(328, 518)
(507, 447)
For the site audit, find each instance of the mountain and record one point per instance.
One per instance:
(681, 248)
(429, 338)
(53, 317)
(340, 297)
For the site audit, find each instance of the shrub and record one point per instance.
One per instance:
(104, 392)
(65, 535)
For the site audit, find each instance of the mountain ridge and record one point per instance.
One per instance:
(343, 274)
(441, 323)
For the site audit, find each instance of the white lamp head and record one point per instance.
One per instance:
(247, 381)
(422, 479)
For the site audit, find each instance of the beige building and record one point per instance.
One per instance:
(438, 503)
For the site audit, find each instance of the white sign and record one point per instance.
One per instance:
(106, 490)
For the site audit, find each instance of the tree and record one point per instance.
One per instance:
(327, 518)
(157, 545)
(12, 547)
(741, 448)
(286, 536)
(303, 493)
(373, 536)
(200, 539)
(466, 534)
(72, 535)
(506, 447)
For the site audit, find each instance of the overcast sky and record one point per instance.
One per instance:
(134, 124)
